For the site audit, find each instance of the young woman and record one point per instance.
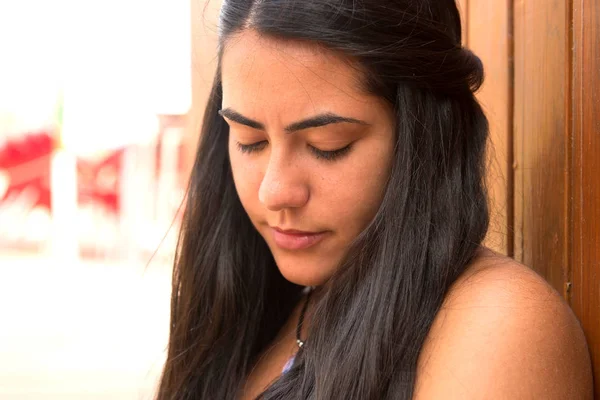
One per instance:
(331, 245)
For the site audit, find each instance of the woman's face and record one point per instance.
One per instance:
(310, 152)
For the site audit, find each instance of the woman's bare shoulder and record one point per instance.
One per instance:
(504, 332)
(491, 270)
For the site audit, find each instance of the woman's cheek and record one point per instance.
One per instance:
(247, 178)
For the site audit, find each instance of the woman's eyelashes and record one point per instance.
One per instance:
(331, 154)
(251, 148)
(328, 155)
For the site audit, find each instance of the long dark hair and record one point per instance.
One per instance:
(229, 299)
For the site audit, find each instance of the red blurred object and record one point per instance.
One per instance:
(25, 185)
(99, 201)
(99, 180)
(25, 161)
(25, 148)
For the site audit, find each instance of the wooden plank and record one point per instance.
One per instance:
(518, 122)
(204, 14)
(489, 37)
(541, 137)
(463, 9)
(585, 177)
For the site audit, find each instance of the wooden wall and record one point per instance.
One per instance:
(542, 96)
(204, 14)
(583, 205)
(488, 35)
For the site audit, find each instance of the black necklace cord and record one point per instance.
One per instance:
(299, 341)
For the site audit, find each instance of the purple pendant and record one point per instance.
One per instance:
(288, 364)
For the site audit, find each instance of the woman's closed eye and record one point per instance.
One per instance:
(328, 155)
(252, 147)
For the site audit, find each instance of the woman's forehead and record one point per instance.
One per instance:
(260, 72)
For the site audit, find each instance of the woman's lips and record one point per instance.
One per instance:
(296, 240)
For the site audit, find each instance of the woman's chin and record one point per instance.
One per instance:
(304, 273)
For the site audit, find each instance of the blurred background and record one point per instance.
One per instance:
(96, 140)
(100, 110)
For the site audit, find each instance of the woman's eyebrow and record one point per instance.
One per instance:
(312, 122)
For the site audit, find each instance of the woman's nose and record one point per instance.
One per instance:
(282, 186)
